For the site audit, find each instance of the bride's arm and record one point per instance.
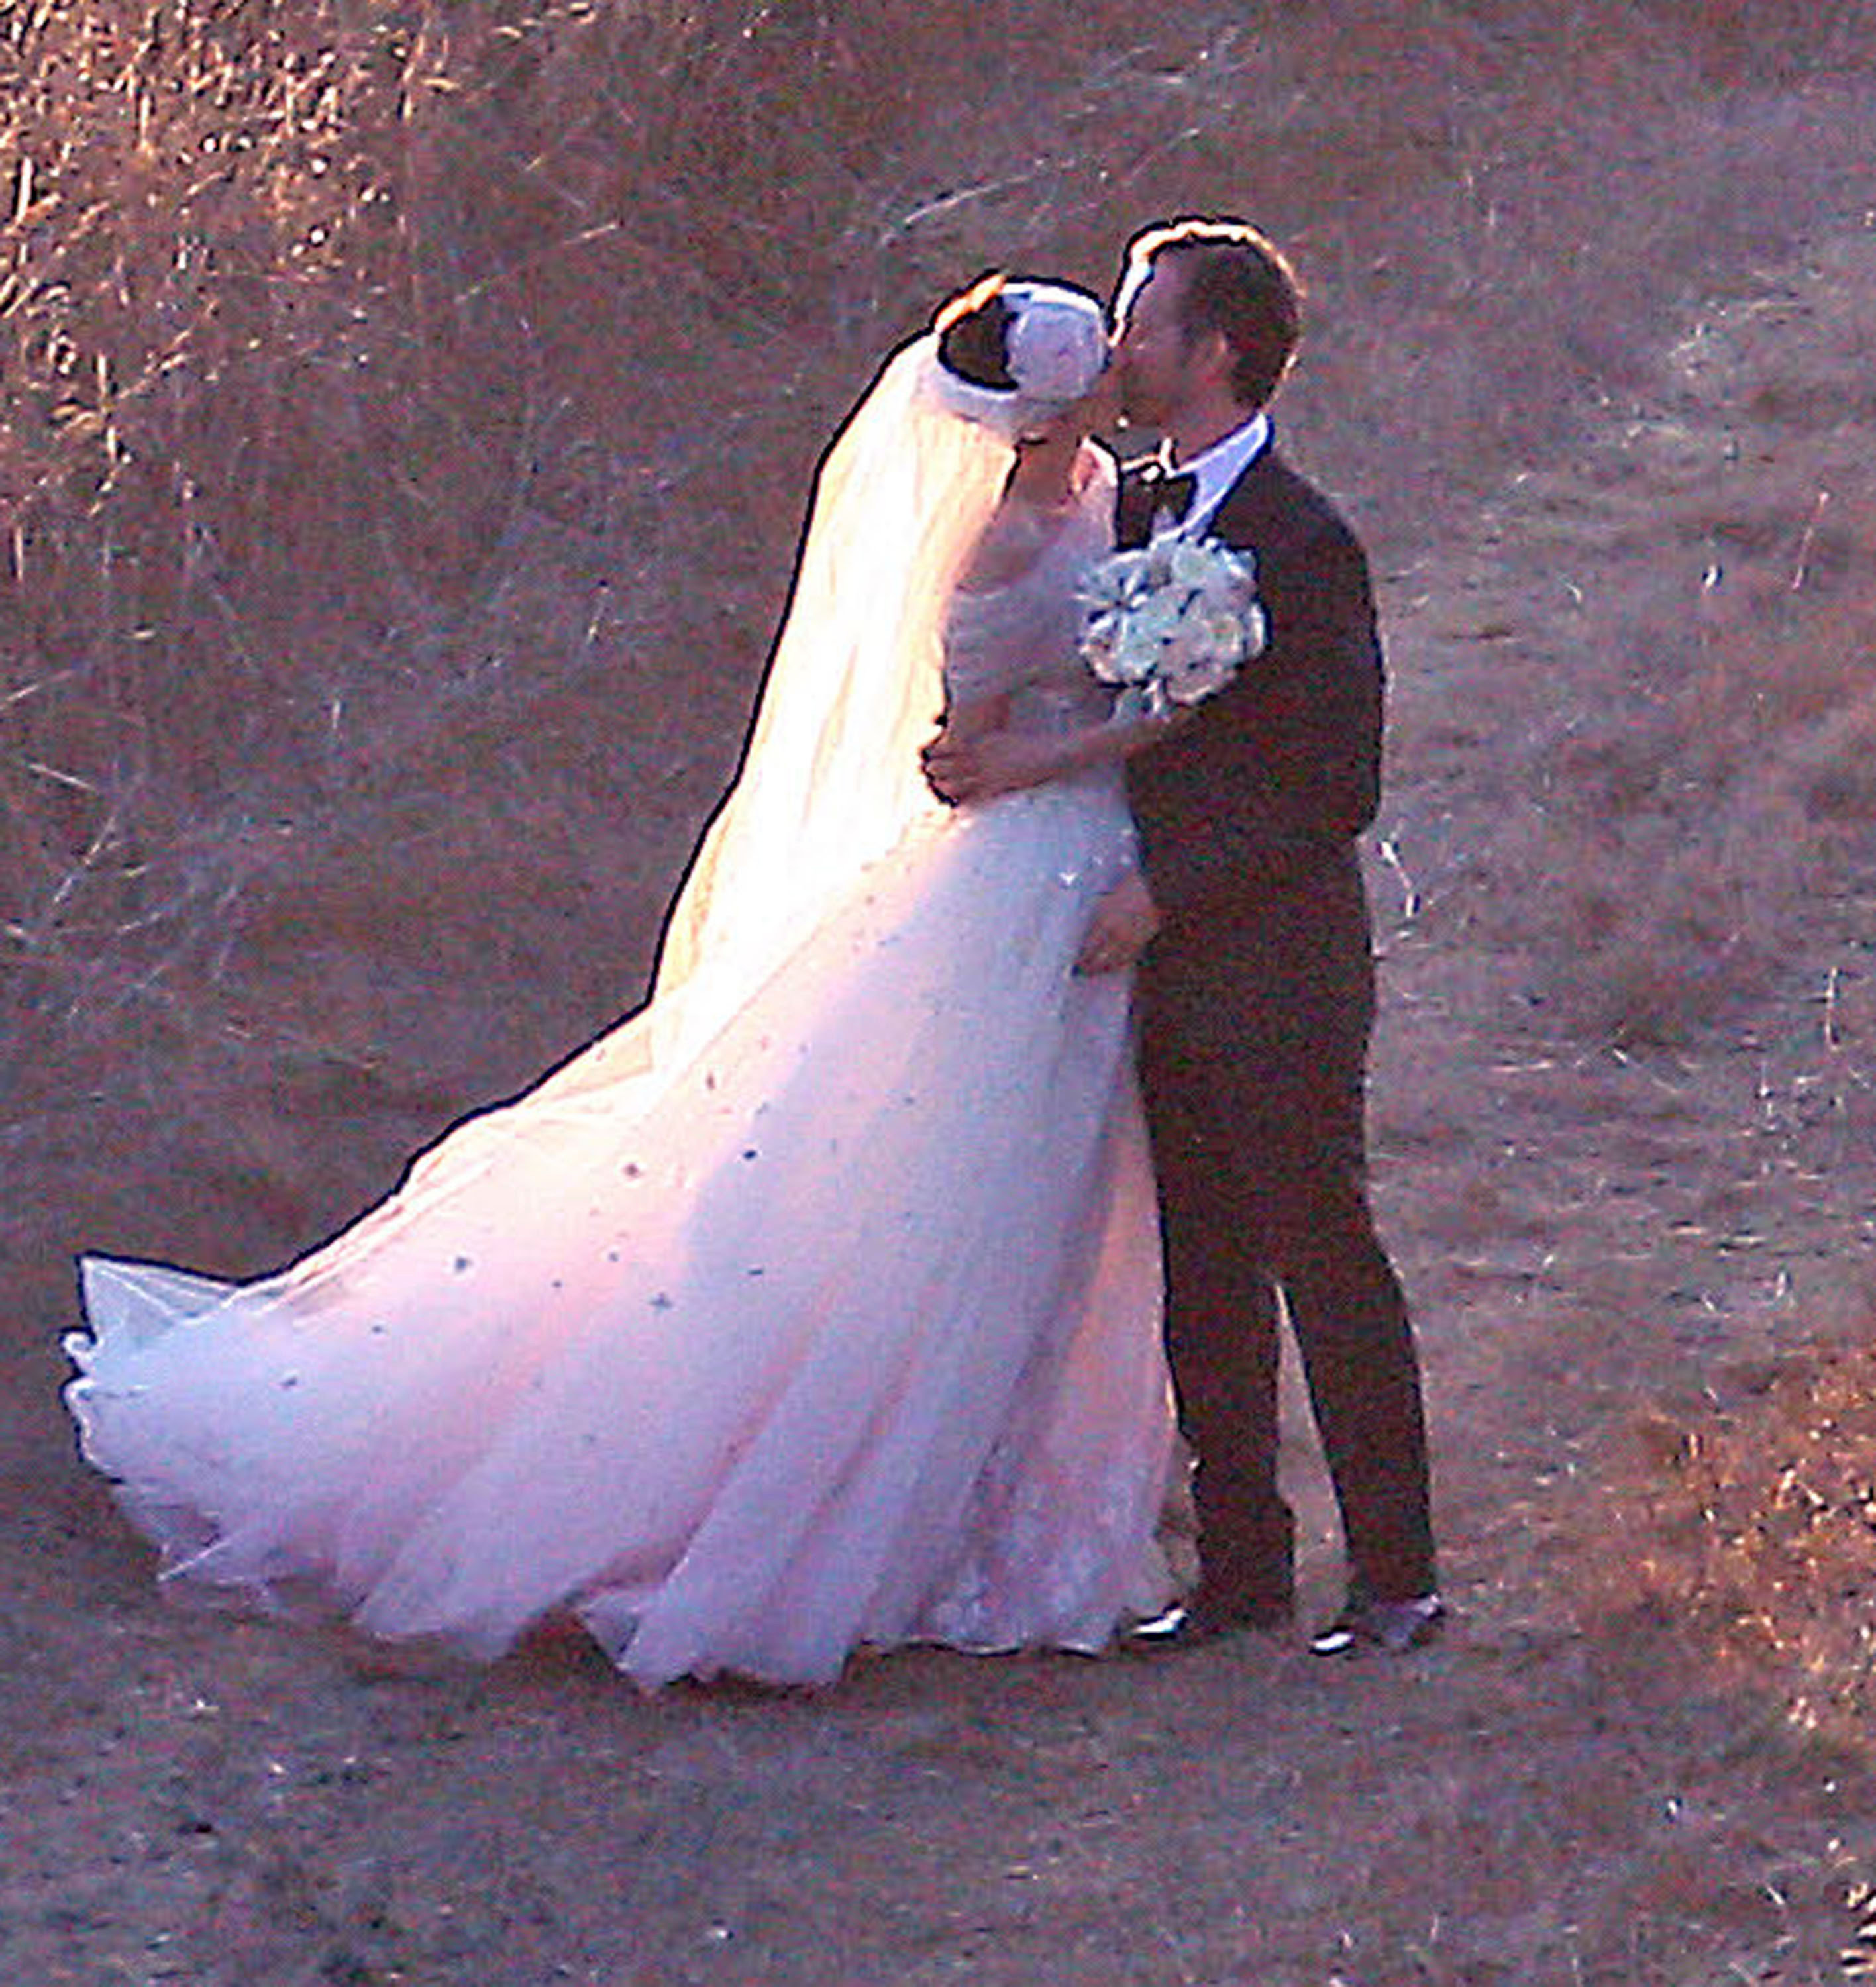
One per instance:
(975, 766)
(968, 718)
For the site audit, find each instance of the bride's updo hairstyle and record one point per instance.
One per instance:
(1012, 356)
(973, 335)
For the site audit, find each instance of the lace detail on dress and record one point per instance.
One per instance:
(1034, 1581)
(984, 652)
(1022, 631)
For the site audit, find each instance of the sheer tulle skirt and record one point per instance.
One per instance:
(843, 1330)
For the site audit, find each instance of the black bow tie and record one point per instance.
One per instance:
(1173, 495)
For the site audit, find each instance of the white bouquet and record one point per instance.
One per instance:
(1172, 623)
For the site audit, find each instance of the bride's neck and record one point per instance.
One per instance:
(1047, 473)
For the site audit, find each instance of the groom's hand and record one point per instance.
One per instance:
(1122, 926)
(958, 770)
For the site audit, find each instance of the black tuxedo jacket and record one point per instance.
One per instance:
(1248, 814)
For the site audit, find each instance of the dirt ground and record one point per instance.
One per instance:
(1572, 1789)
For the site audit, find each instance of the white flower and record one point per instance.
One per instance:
(1171, 623)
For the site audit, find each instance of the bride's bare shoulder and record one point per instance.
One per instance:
(1021, 531)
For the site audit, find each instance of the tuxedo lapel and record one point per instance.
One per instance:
(1252, 506)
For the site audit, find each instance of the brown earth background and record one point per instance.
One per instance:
(408, 410)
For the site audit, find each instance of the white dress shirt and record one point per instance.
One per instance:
(1215, 469)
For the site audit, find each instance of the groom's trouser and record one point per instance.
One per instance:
(1253, 1048)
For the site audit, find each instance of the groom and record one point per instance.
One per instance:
(1256, 988)
(1255, 993)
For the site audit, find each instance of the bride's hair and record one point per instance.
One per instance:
(1012, 353)
(974, 335)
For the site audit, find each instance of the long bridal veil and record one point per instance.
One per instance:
(815, 1304)
(830, 784)
(831, 780)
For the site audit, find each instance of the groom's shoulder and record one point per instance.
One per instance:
(1275, 479)
(1275, 494)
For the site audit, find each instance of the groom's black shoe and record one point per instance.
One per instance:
(1208, 1617)
(1369, 1622)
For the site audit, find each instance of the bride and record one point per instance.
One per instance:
(816, 1304)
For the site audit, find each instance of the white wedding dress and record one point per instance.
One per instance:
(829, 1319)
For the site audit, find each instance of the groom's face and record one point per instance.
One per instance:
(1153, 353)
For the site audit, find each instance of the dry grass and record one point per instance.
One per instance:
(368, 373)
(380, 381)
(1689, 845)
(1748, 1522)
(1701, 627)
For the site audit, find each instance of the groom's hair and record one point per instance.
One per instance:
(1241, 286)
